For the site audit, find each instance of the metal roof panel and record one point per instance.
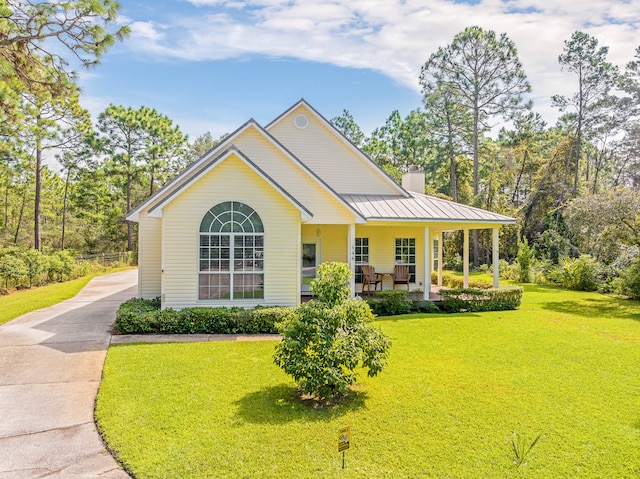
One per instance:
(419, 207)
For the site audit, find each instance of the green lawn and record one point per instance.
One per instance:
(22, 302)
(565, 365)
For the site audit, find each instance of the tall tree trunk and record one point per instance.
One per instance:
(64, 208)
(476, 120)
(489, 198)
(597, 167)
(6, 206)
(453, 176)
(36, 203)
(623, 167)
(24, 200)
(515, 198)
(152, 171)
(129, 225)
(476, 155)
(476, 248)
(587, 166)
(578, 137)
(151, 180)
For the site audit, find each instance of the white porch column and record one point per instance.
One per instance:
(496, 257)
(440, 256)
(465, 257)
(428, 258)
(351, 256)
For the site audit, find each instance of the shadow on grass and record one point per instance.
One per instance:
(606, 307)
(439, 315)
(282, 404)
(539, 288)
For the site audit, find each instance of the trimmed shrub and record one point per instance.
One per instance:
(390, 302)
(144, 316)
(138, 305)
(425, 307)
(264, 320)
(475, 299)
(163, 321)
(203, 320)
(129, 315)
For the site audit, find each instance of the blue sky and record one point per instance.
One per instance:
(210, 65)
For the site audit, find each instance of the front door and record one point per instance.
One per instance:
(310, 262)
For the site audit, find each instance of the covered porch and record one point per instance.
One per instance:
(384, 245)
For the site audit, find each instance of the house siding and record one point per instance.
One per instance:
(284, 171)
(329, 157)
(333, 240)
(232, 180)
(149, 257)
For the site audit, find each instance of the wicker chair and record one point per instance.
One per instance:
(401, 275)
(370, 277)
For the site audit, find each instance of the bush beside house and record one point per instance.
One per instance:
(475, 299)
(144, 316)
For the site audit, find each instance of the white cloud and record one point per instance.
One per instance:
(394, 37)
(147, 31)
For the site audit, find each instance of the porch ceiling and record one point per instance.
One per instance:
(419, 207)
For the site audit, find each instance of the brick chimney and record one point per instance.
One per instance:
(413, 180)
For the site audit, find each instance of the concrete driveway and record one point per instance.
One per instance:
(50, 368)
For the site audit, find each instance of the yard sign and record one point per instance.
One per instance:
(344, 438)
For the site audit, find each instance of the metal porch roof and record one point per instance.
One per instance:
(419, 208)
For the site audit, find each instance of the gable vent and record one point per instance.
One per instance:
(301, 121)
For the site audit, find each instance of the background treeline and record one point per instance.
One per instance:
(573, 186)
(67, 180)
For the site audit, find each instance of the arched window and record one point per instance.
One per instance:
(231, 253)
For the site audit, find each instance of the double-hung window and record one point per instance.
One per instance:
(361, 256)
(406, 254)
(231, 260)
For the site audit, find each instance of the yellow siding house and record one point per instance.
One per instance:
(249, 222)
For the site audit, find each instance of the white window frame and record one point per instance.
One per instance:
(404, 254)
(361, 258)
(243, 261)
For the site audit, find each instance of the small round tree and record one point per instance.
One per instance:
(324, 340)
(524, 257)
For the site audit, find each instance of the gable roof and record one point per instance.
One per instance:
(310, 172)
(405, 206)
(232, 151)
(196, 169)
(363, 160)
(421, 208)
